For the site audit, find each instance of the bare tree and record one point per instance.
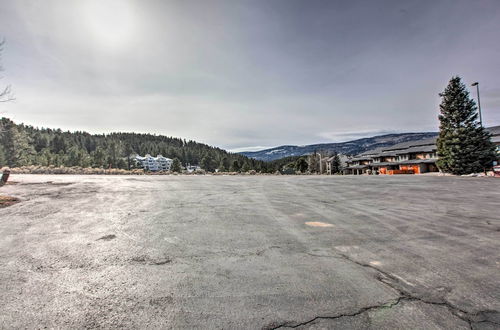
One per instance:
(5, 92)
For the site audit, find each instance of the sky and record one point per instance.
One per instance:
(246, 75)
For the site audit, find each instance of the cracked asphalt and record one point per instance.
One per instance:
(235, 252)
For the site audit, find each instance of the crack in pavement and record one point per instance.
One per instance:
(470, 318)
(404, 295)
(358, 312)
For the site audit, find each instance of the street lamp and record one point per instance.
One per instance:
(478, 102)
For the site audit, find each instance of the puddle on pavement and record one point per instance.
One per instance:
(318, 224)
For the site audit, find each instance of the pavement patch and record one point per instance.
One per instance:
(107, 238)
(318, 224)
(151, 261)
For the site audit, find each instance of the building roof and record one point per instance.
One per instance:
(385, 163)
(418, 161)
(387, 154)
(406, 145)
(355, 159)
(425, 148)
(396, 148)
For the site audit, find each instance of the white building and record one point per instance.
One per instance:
(150, 163)
(192, 168)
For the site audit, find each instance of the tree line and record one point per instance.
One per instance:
(24, 145)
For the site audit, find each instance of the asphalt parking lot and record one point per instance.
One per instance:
(251, 252)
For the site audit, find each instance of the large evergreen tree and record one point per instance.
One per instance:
(336, 166)
(463, 145)
(301, 165)
(235, 166)
(176, 165)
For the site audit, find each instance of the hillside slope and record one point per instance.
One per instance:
(347, 148)
(23, 145)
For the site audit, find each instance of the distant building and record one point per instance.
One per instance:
(192, 168)
(495, 136)
(414, 157)
(329, 163)
(154, 164)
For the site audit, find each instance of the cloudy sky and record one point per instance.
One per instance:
(246, 74)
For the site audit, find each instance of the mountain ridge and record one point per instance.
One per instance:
(352, 147)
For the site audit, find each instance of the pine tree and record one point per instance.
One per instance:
(3, 160)
(301, 165)
(176, 165)
(207, 163)
(463, 145)
(16, 145)
(336, 166)
(314, 162)
(235, 166)
(222, 165)
(246, 167)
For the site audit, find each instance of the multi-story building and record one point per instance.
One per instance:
(150, 163)
(413, 157)
(403, 158)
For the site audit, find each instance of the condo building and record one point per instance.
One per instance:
(154, 164)
(413, 157)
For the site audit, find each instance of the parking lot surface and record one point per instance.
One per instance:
(251, 252)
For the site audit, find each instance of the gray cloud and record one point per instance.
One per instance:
(242, 74)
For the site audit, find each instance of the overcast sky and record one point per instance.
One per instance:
(246, 74)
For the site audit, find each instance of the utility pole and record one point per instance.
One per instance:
(478, 103)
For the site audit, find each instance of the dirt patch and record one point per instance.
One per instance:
(8, 201)
(52, 183)
(161, 301)
(318, 224)
(151, 261)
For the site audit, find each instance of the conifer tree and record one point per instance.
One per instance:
(176, 165)
(313, 162)
(235, 167)
(463, 145)
(222, 165)
(246, 167)
(336, 164)
(301, 165)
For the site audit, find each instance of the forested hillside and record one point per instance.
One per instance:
(23, 145)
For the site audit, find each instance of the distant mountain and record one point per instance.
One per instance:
(347, 148)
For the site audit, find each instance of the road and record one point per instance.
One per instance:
(251, 252)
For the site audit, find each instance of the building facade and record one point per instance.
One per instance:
(154, 164)
(495, 136)
(413, 157)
